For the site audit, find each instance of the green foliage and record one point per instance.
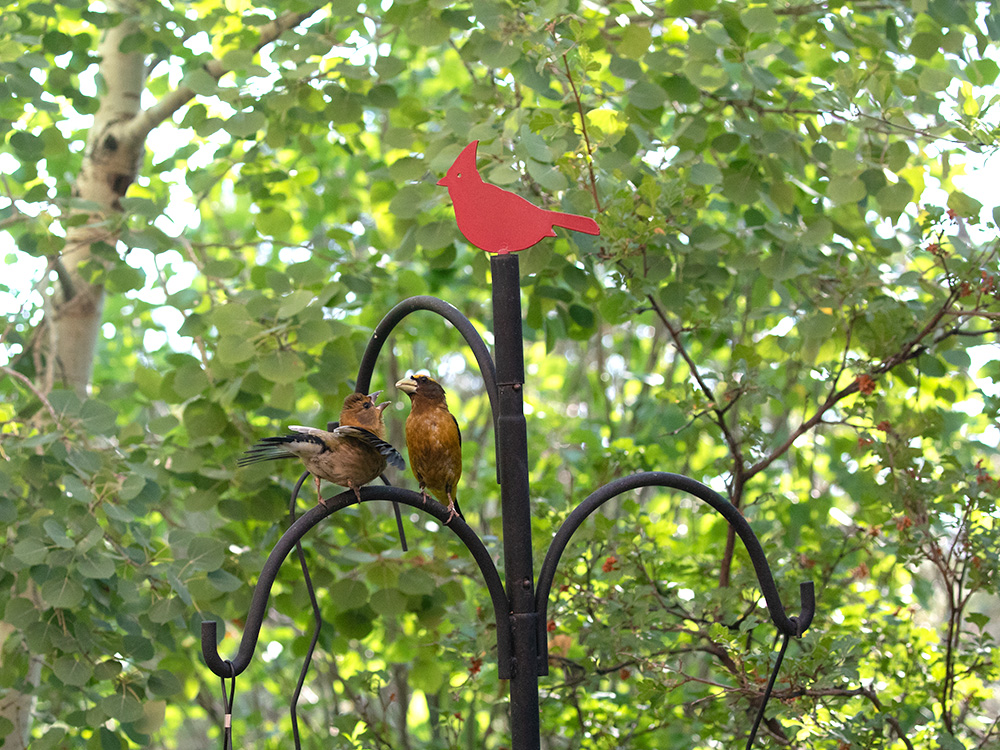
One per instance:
(792, 299)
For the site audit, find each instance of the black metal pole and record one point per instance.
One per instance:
(512, 441)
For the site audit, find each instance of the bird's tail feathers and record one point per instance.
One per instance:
(281, 446)
(577, 223)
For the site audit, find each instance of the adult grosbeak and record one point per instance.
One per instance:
(351, 454)
(433, 440)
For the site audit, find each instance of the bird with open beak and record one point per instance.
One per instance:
(351, 454)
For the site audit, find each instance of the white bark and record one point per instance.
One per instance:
(16, 705)
(110, 164)
(115, 148)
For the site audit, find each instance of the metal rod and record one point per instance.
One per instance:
(788, 625)
(258, 604)
(317, 614)
(512, 441)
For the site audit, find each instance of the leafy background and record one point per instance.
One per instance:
(793, 299)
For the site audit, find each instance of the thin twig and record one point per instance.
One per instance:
(911, 349)
(975, 314)
(986, 735)
(719, 412)
(586, 135)
(31, 387)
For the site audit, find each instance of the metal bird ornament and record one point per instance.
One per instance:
(496, 220)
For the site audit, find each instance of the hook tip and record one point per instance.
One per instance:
(807, 595)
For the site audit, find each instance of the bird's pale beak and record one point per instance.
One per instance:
(407, 385)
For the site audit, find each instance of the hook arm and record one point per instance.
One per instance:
(258, 604)
(788, 625)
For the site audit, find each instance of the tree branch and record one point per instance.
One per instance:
(141, 125)
(586, 135)
(976, 314)
(911, 349)
(739, 474)
(719, 414)
(31, 387)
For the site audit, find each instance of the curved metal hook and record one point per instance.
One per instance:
(462, 324)
(789, 625)
(447, 311)
(268, 574)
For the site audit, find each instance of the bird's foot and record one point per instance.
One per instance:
(423, 495)
(452, 513)
(357, 492)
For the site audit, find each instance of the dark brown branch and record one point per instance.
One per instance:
(579, 673)
(465, 63)
(804, 10)
(976, 314)
(586, 135)
(718, 412)
(740, 475)
(910, 350)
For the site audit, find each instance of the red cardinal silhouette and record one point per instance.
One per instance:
(497, 220)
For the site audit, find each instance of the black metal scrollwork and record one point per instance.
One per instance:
(519, 610)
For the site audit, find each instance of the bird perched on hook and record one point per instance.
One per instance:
(351, 454)
(433, 441)
(496, 220)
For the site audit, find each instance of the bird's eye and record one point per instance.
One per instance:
(368, 404)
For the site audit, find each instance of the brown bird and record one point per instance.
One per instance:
(352, 454)
(433, 441)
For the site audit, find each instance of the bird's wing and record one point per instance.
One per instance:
(459, 431)
(392, 456)
(309, 430)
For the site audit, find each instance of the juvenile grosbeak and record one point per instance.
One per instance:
(433, 441)
(351, 455)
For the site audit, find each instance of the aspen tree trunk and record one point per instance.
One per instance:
(115, 148)
(110, 164)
